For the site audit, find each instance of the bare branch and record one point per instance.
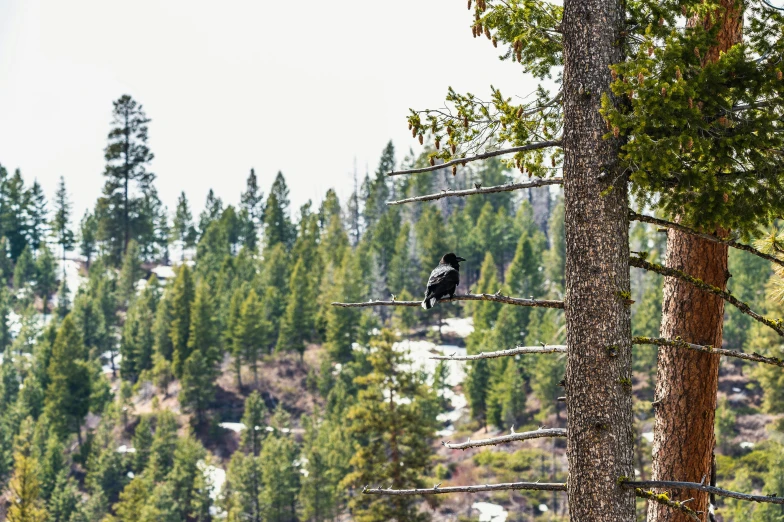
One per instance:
(679, 343)
(772, 6)
(776, 325)
(666, 484)
(484, 155)
(665, 500)
(555, 348)
(513, 437)
(509, 187)
(496, 298)
(437, 490)
(708, 237)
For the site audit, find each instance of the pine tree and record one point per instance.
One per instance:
(37, 216)
(88, 236)
(24, 271)
(106, 467)
(203, 336)
(277, 222)
(396, 434)
(189, 486)
(24, 492)
(62, 220)
(52, 464)
(127, 159)
(342, 324)
(253, 419)
(243, 489)
(252, 201)
(164, 443)
(130, 273)
(182, 230)
(196, 388)
(181, 296)
(430, 236)
(63, 299)
(296, 324)
(280, 479)
(66, 500)
(213, 208)
(45, 276)
(142, 443)
(68, 394)
(162, 341)
(506, 399)
(137, 340)
(14, 215)
(252, 333)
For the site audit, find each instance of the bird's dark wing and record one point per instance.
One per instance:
(443, 276)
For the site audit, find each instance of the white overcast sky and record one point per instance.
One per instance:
(303, 86)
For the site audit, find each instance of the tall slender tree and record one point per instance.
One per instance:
(62, 220)
(127, 160)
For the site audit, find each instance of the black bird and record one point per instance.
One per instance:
(443, 280)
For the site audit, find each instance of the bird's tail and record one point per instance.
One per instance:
(429, 302)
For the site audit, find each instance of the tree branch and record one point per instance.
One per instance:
(665, 500)
(487, 190)
(496, 298)
(708, 237)
(485, 155)
(526, 435)
(666, 484)
(772, 6)
(555, 348)
(776, 325)
(534, 486)
(679, 343)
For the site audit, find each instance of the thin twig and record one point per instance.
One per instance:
(525, 435)
(555, 348)
(665, 500)
(497, 298)
(509, 187)
(680, 343)
(534, 486)
(484, 155)
(775, 325)
(666, 484)
(709, 237)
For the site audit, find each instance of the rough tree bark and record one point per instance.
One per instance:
(686, 381)
(600, 439)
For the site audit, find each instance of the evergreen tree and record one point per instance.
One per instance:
(142, 443)
(66, 500)
(506, 399)
(189, 486)
(280, 479)
(127, 158)
(181, 296)
(164, 443)
(130, 273)
(277, 222)
(68, 394)
(63, 299)
(203, 336)
(62, 220)
(253, 419)
(37, 216)
(396, 434)
(252, 212)
(243, 489)
(137, 341)
(342, 324)
(478, 387)
(196, 388)
(88, 236)
(106, 467)
(24, 492)
(14, 214)
(182, 228)
(252, 332)
(213, 208)
(24, 271)
(296, 324)
(45, 276)
(430, 236)
(162, 341)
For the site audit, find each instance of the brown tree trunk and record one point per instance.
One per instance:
(686, 381)
(600, 442)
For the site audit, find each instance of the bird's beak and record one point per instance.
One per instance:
(460, 259)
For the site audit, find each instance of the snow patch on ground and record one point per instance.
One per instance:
(419, 354)
(216, 477)
(236, 427)
(163, 272)
(107, 356)
(490, 512)
(457, 326)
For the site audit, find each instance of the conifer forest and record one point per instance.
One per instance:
(612, 352)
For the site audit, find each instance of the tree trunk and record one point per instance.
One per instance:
(600, 443)
(686, 381)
